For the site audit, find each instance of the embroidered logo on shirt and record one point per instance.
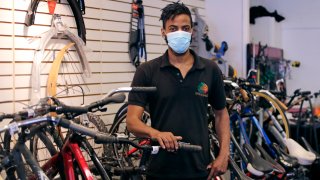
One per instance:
(202, 89)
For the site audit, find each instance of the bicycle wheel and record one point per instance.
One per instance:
(119, 154)
(121, 111)
(47, 149)
(94, 122)
(267, 102)
(45, 143)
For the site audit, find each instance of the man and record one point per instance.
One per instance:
(185, 83)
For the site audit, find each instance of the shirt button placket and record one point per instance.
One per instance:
(180, 80)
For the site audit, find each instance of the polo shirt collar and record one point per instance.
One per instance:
(198, 64)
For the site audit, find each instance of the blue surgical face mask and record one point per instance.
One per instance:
(179, 41)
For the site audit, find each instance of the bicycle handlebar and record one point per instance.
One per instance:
(103, 138)
(305, 93)
(77, 127)
(77, 110)
(132, 89)
(24, 114)
(5, 116)
(14, 126)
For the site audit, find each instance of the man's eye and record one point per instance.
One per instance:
(172, 29)
(186, 29)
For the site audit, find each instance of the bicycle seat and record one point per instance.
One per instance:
(256, 163)
(310, 149)
(284, 158)
(233, 165)
(296, 150)
(276, 166)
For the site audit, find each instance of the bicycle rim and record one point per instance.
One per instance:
(284, 119)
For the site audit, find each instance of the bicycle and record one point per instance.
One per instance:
(71, 146)
(266, 101)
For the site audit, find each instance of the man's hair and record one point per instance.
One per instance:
(172, 10)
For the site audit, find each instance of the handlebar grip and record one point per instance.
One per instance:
(305, 93)
(144, 89)
(2, 116)
(113, 99)
(189, 147)
(104, 139)
(126, 170)
(71, 109)
(6, 116)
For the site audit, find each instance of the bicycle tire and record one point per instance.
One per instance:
(122, 110)
(33, 132)
(123, 161)
(45, 141)
(284, 118)
(100, 125)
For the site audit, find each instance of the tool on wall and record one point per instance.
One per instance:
(137, 37)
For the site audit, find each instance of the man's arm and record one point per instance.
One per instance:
(134, 124)
(222, 126)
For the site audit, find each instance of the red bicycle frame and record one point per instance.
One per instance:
(69, 152)
(133, 150)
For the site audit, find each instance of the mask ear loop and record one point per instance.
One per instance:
(165, 38)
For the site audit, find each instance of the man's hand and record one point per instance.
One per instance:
(218, 166)
(167, 140)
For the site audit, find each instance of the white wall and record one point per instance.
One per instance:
(107, 24)
(300, 37)
(228, 20)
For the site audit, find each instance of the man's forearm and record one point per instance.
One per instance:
(138, 128)
(222, 126)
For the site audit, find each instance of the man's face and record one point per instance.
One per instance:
(181, 22)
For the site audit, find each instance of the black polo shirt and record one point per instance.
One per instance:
(180, 106)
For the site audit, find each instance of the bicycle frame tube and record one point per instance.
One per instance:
(94, 157)
(133, 150)
(243, 129)
(51, 167)
(257, 124)
(21, 149)
(28, 156)
(67, 162)
(261, 131)
(70, 150)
